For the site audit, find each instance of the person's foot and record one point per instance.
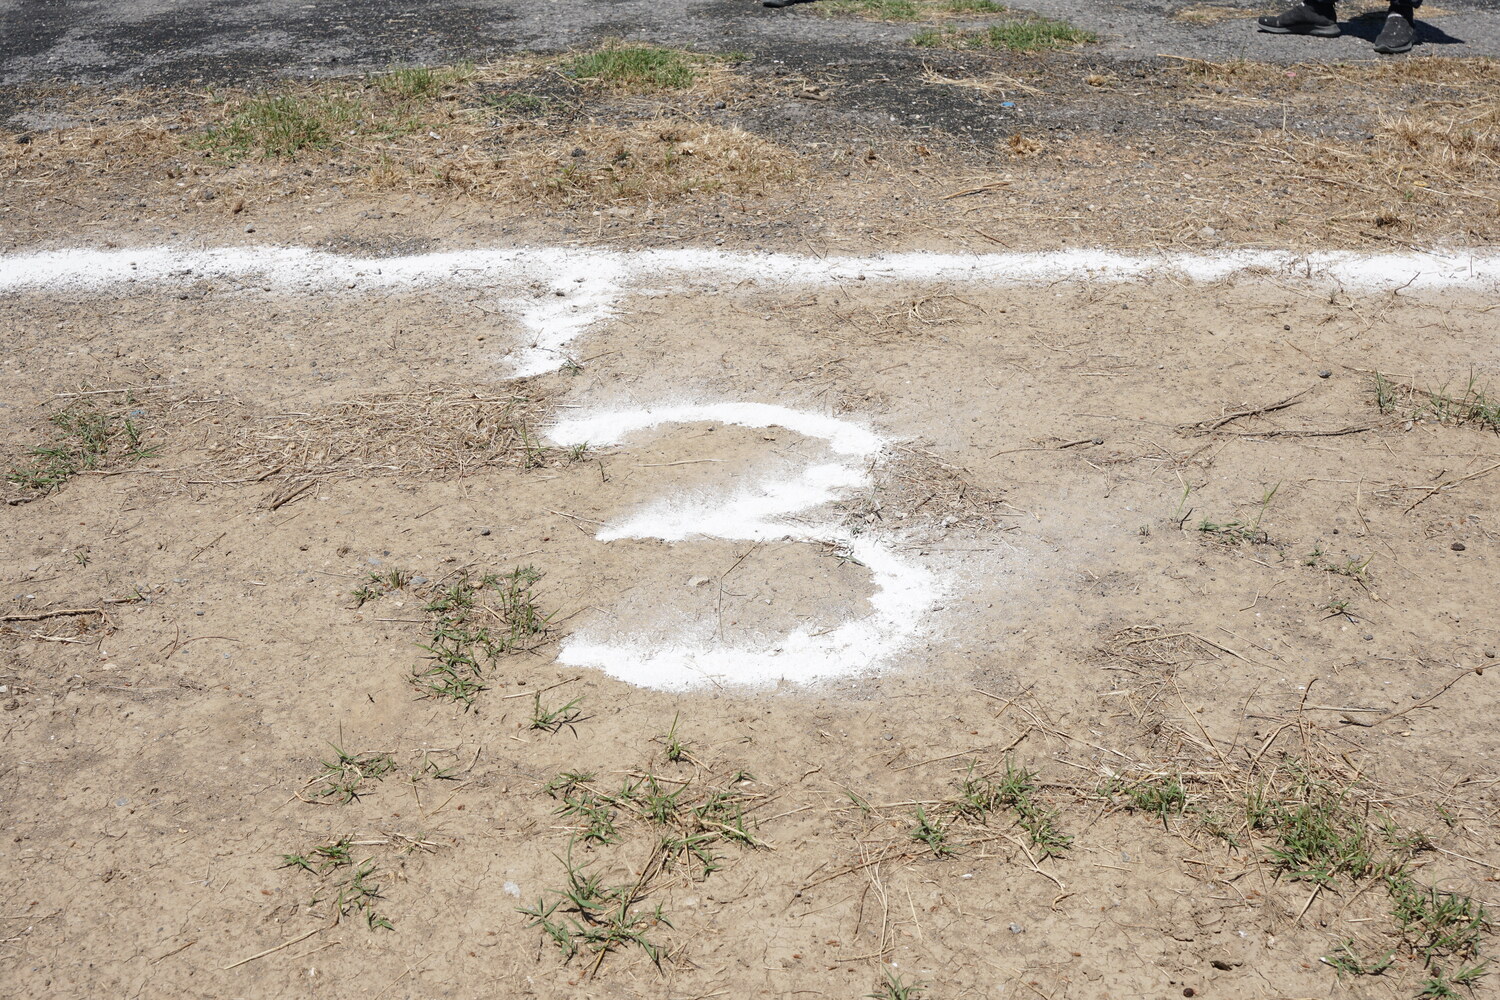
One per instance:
(1308, 18)
(1398, 35)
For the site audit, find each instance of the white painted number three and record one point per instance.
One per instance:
(903, 591)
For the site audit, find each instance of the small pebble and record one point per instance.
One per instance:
(484, 531)
(249, 229)
(1458, 546)
(1489, 654)
(1325, 373)
(198, 613)
(1368, 637)
(1016, 928)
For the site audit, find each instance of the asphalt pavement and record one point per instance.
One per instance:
(122, 42)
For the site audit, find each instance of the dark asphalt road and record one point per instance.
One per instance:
(180, 41)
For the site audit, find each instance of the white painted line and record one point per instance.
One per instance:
(556, 294)
(904, 592)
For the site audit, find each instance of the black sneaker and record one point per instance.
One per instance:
(1304, 19)
(1398, 35)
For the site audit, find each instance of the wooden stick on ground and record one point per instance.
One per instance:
(1204, 426)
(57, 613)
(285, 944)
(1387, 717)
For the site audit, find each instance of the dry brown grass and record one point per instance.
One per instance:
(520, 131)
(654, 161)
(1437, 156)
(1205, 14)
(436, 431)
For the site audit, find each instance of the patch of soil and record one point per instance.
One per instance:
(1089, 633)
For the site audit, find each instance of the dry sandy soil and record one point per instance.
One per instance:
(1166, 726)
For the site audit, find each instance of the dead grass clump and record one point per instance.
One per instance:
(1453, 138)
(1434, 164)
(655, 161)
(1206, 14)
(518, 129)
(1156, 646)
(993, 84)
(910, 10)
(1022, 145)
(923, 491)
(425, 431)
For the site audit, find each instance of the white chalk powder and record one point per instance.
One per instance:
(556, 294)
(903, 591)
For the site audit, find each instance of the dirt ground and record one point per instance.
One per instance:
(1092, 630)
(294, 582)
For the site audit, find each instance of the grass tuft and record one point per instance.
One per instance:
(1236, 532)
(586, 915)
(413, 82)
(1474, 404)
(930, 831)
(1034, 34)
(469, 637)
(637, 67)
(346, 776)
(895, 987)
(280, 127)
(84, 438)
(1016, 791)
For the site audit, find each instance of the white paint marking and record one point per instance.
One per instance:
(592, 282)
(903, 591)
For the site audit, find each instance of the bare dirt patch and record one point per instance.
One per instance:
(1131, 755)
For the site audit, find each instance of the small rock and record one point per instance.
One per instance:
(1368, 637)
(484, 531)
(1325, 373)
(249, 229)
(1458, 546)
(12, 705)
(698, 581)
(1489, 654)
(577, 152)
(720, 105)
(1017, 929)
(419, 579)
(198, 613)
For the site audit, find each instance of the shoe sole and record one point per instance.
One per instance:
(1319, 32)
(1393, 50)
